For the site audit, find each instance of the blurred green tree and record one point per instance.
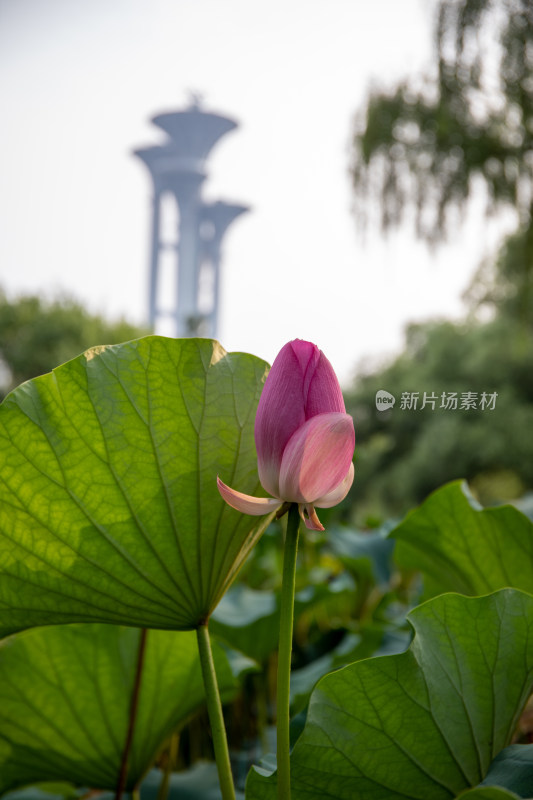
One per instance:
(403, 454)
(433, 142)
(423, 150)
(37, 335)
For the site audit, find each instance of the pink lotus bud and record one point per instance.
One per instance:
(304, 438)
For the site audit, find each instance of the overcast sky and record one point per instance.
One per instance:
(79, 81)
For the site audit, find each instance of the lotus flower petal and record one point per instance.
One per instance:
(303, 436)
(300, 385)
(281, 411)
(309, 516)
(323, 391)
(256, 506)
(317, 458)
(337, 494)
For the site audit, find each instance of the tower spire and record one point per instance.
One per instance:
(178, 168)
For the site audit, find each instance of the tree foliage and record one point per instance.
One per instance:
(404, 454)
(424, 149)
(425, 142)
(36, 335)
(431, 143)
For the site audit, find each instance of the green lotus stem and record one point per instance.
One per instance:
(214, 709)
(285, 652)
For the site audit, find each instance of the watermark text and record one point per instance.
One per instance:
(447, 401)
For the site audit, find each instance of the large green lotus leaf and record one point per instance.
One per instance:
(109, 509)
(372, 641)
(513, 769)
(423, 724)
(65, 694)
(461, 548)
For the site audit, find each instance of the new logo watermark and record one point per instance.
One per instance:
(447, 401)
(384, 400)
